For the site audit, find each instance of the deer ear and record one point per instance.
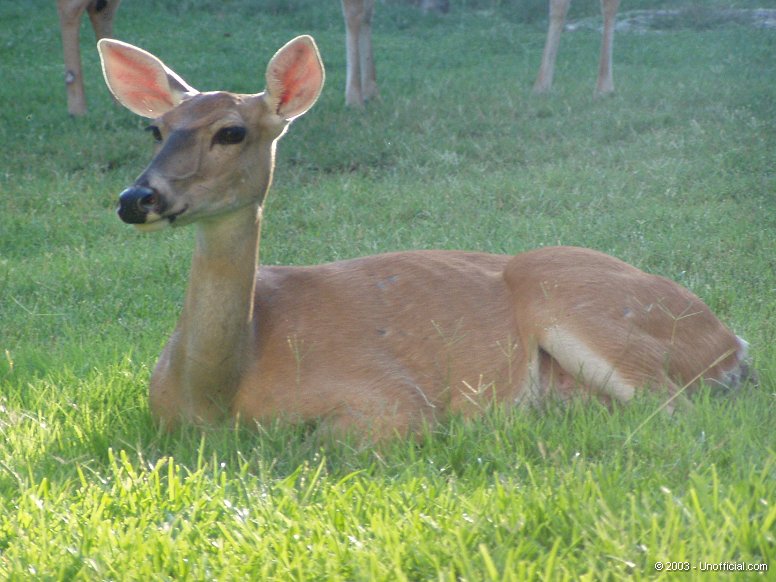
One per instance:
(295, 78)
(140, 81)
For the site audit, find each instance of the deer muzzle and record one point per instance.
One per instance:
(136, 203)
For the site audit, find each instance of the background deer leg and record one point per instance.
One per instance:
(558, 10)
(70, 23)
(353, 11)
(101, 14)
(367, 62)
(361, 82)
(605, 84)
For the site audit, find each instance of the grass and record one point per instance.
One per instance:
(674, 174)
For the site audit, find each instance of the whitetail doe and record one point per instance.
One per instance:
(387, 342)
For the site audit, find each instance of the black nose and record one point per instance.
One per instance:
(136, 202)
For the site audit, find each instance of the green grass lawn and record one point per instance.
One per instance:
(676, 174)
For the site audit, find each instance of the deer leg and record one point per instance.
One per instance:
(353, 11)
(568, 365)
(101, 14)
(558, 10)
(70, 23)
(366, 58)
(605, 85)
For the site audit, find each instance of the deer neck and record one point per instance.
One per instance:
(216, 329)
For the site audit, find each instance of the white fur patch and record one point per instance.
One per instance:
(579, 360)
(743, 349)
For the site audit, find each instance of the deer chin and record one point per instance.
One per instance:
(156, 221)
(160, 224)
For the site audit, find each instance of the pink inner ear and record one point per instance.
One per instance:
(293, 77)
(138, 83)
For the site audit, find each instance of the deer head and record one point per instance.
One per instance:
(215, 150)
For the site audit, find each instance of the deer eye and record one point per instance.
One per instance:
(156, 132)
(229, 135)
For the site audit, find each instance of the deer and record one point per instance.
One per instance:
(101, 13)
(385, 344)
(558, 10)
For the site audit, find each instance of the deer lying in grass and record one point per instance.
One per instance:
(386, 342)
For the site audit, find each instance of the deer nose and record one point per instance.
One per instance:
(136, 202)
